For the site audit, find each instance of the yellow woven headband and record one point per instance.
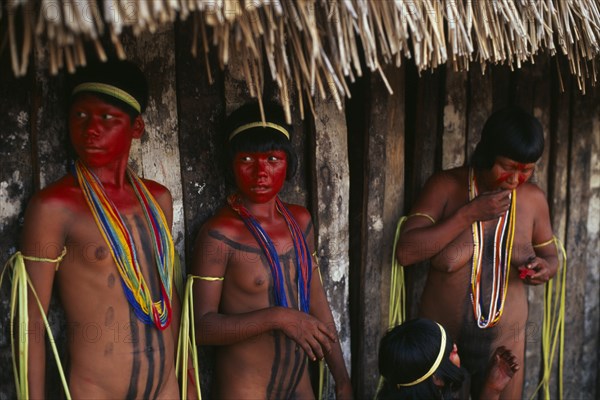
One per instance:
(109, 90)
(435, 365)
(251, 125)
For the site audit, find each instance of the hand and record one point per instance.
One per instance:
(308, 332)
(535, 271)
(489, 206)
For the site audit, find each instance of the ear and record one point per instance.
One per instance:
(138, 127)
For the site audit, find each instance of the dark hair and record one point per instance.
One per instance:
(259, 139)
(510, 132)
(407, 352)
(123, 74)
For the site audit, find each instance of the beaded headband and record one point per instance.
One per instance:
(435, 365)
(109, 90)
(251, 125)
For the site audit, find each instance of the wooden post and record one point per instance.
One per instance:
(156, 155)
(384, 198)
(331, 214)
(582, 318)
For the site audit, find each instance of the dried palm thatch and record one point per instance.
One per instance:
(317, 44)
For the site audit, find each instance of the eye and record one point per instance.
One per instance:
(274, 159)
(80, 114)
(107, 116)
(245, 158)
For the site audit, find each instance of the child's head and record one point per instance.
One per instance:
(415, 362)
(245, 133)
(119, 83)
(512, 133)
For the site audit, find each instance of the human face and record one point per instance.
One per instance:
(101, 133)
(508, 174)
(259, 176)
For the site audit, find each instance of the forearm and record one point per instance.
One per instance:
(36, 368)
(222, 329)
(423, 243)
(335, 361)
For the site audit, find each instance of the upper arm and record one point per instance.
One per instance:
(431, 201)
(44, 237)
(163, 198)
(209, 261)
(542, 228)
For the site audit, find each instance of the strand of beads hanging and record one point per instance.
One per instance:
(503, 243)
(122, 247)
(302, 253)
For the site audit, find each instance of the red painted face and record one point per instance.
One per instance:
(509, 174)
(260, 176)
(100, 132)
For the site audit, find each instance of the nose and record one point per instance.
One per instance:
(262, 167)
(513, 178)
(90, 127)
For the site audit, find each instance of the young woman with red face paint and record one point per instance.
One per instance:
(485, 229)
(259, 296)
(115, 281)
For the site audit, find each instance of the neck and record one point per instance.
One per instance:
(112, 174)
(262, 211)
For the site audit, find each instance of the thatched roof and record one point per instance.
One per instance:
(316, 44)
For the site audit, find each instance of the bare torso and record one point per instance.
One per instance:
(112, 354)
(268, 364)
(447, 294)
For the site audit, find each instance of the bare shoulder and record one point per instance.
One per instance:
(224, 221)
(159, 191)
(532, 192)
(61, 194)
(450, 179)
(301, 215)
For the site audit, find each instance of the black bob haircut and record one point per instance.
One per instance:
(407, 352)
(510, 132)
(259, 139)
(122, 74)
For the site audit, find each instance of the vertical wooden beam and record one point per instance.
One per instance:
(156, 155)
(16, 186)
(455, 120)
(581, 323)
(332, 190)
(424, 155)
(560, 131)
(384, 197)
(479, 106)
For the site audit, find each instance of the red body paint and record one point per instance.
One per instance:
(100, 132)
(510, 174)
(260, 175)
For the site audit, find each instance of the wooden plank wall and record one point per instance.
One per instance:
(359, 171)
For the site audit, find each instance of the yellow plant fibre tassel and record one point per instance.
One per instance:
(397, 313)
(18, 305)
(553, 326)
(397, 307)
(187, 340)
